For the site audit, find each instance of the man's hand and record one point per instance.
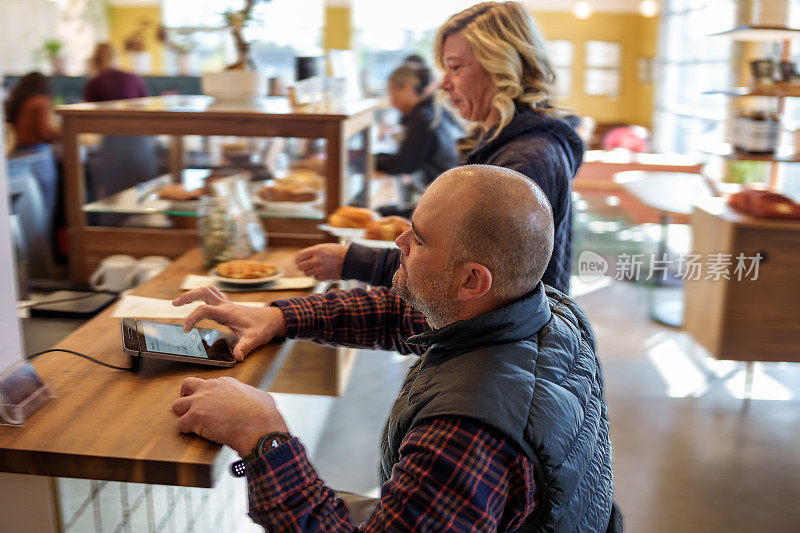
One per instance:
(227, 411)
(322, 261)
(253, 325)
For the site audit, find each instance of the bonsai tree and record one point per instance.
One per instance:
(236, 22)
(135, 42)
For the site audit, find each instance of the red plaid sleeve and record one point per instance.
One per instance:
(454, 474)
(373, 318)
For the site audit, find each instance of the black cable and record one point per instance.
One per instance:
(92, 359)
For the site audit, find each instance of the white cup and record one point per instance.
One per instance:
(114, 273)
(147, 267)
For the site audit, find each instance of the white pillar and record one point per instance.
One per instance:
(10, 338)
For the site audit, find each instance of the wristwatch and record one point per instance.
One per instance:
(264, 445)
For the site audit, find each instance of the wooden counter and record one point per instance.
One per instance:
(114, 425)
(748, 319)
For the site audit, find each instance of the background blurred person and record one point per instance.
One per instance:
(122, 161)
(29, 110)
(430, 132)
(108, 82)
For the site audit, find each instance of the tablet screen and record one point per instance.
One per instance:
(170, 338)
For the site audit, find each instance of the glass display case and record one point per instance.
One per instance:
(300, 166)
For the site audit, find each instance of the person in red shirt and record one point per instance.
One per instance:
(29, 109)
(110, 83)
(122, 161)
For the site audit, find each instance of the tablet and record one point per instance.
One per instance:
(160, 340)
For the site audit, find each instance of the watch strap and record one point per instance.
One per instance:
(265, 444)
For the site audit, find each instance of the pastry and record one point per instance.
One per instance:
(177, 192)
(287, 193)
(352, 217)
(246, 269)
(387, 228)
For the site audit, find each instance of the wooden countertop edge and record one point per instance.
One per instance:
(114, 469)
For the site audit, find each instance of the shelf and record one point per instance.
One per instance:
(777, 92)
(760, 33)
(142, 200)
(726, 150)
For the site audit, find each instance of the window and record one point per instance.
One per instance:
(560, 52)
(279, 30)
(603, 59)
(690, 63)
(386, 31)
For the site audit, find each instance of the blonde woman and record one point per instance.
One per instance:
(498, 76)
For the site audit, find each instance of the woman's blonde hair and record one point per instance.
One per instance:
(507, 43)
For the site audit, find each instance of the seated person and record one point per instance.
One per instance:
(109, 82)
(29, 110)
(430, 133)
(501, 423)
(122, 161)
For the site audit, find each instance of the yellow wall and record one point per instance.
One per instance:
(638, 36)
(338, 30)
(123, 21)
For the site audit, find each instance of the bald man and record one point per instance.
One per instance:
(501, 423)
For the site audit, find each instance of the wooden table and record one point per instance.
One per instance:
(179, 115)
(595, 181)
(115, 425)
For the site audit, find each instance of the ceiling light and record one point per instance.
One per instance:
(648, 8)
(582, 9)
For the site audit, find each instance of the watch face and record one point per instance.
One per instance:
(272, 441)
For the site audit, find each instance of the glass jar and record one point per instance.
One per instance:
(218, 225)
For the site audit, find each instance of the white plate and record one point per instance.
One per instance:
(286, 206)
(249, 281)
(343, 233)
(374, 243)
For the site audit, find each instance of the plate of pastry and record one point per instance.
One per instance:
(282, 197)
(246, 272)
(349, 222)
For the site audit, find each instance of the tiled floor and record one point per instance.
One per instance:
(690, 454)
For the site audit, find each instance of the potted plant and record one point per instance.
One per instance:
(52, 49)
(239, 80)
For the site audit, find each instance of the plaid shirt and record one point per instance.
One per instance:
(372, 318)
(454, 474)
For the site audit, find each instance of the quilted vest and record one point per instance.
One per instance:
(529, 370)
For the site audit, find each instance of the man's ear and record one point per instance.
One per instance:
(476, 280)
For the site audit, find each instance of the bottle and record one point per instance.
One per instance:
(757, 129)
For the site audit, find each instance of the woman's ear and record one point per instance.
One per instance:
(475, 281)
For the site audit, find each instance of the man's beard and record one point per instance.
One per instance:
(438, 306)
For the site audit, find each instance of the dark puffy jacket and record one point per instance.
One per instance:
(545, 149)
(529, 370)
(429, 145)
